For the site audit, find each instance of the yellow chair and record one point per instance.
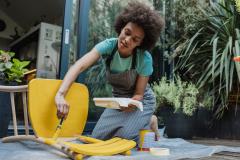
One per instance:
(42, 114)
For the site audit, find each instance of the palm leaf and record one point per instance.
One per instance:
(208, 52)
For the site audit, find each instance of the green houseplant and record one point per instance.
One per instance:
(11, 69)
(177, 104)
(182, 96)
(11, 73)
(206, 56)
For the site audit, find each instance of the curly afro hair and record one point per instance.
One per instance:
(142, 15)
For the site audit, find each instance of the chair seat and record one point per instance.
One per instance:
(104, 148)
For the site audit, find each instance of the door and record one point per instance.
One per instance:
(74, 39)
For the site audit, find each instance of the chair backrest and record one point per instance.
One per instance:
(43, 111)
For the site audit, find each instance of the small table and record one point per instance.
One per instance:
(12, 90)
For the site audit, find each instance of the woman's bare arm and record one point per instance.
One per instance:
(140, 87)
(81, 65)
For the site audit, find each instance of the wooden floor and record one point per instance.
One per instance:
(220, 155)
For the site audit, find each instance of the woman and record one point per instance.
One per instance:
(129, 66)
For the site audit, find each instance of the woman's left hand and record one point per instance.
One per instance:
(130, 108)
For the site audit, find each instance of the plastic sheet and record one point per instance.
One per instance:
(179, 149)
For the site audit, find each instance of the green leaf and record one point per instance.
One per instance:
(236, 52)
(210, 63)
(214, 55)
(2, 67)
(8, 65)
(11, 54)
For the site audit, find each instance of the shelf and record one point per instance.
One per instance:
(25, 37)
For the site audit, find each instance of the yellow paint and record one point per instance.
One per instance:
(57, 133)
(105, 148)
(78, 157)
(42, 108)
(58, 130)
(49, 141)
(89, 139)
(94, 140)
(127, 153)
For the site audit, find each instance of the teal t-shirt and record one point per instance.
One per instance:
(119, 64)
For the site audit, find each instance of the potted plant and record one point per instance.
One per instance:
(11, 73)
(177, 103)
(206, 57)
(207, 54)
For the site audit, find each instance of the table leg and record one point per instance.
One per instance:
(14, 114)
(25, 112)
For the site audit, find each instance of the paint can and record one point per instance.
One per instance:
(146, 139)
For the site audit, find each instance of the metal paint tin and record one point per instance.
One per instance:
(146, 139)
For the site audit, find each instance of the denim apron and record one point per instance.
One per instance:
(116, 123)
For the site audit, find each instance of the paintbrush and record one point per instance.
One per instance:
(58, 129)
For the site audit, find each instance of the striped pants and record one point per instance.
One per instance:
(116, 123)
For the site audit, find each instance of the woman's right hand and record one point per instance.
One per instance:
(79, 66)
(62, 106)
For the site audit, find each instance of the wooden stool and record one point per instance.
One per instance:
(12, 90)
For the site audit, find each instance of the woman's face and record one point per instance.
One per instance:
(130, 37)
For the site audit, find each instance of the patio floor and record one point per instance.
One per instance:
(16, 151)
(220, 155)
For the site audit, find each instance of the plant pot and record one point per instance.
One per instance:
(5, 113)
(5, 109)
(203, 122)
(228, 127)
(177, 125)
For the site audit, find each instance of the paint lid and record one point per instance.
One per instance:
(160, 151)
